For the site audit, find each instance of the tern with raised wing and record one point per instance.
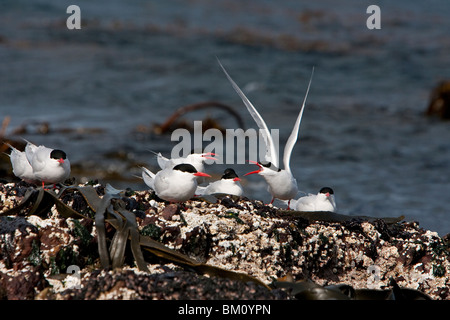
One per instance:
(281, 183)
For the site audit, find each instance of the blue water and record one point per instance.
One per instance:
(134, 63)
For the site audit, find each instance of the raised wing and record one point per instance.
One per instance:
(271, 152)
(294, 134)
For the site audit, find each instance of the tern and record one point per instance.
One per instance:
(47, 165)
(177, 184)
(322, 201)
(281, 183)
(228, 184)
(197, 159)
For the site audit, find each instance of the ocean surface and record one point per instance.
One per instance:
(99, 92)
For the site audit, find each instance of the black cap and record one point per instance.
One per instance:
(229, 174)
(270, 165)
(58, 154)
(326, 190)
(185, 167)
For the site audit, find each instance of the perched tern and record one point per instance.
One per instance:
(20, 165)
(323, 201)
(281, 183)
(228, 184)
(39, 163)
(196, 159)
(49, 165)
(176, 184)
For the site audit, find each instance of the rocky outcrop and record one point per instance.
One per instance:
(232, 248)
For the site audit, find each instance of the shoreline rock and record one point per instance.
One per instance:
(235, 234)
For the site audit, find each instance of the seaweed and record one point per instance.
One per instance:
(151, 230)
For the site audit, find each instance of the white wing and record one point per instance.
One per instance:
(163, 162)
(162, 181)
(149, 178)
(271, 153)
(306, 203)
(21, 166)
(200, 191)
(30, 149)
(294, 134)
(40, 158)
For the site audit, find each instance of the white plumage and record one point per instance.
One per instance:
(322, 201)
(39, 163)
(282, 184)
(228, 184)
(176, 184)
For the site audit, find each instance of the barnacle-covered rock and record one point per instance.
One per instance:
(239, 235)
(163, 284)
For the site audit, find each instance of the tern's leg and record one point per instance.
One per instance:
(271, 201)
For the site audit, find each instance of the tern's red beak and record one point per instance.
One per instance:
(208, 156)
(327, 194)
(253, 172)
(256, 171)
(236, 179)
(61, 160)
(201, 174)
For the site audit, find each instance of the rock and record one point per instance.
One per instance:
(21, 284)
(169, 211)
(169, 285)
(239, 235)
(19, 241)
